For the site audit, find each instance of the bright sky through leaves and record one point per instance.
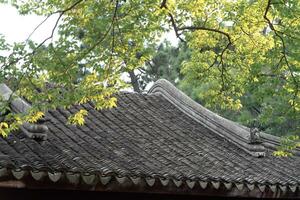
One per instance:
(255, 60)
(16, 28)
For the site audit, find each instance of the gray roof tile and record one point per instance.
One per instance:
(146, 135)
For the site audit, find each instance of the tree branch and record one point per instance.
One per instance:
(173, 22)
(62, 12)
(194, 28)
(176, 29)
(206, 29)
(284, 56)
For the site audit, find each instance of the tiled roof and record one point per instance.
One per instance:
(150, 139)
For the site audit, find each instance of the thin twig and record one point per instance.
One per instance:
(173, 22)
(62, 12)
(193, 28)
(206, 29)
(284, 56)
(37, 27)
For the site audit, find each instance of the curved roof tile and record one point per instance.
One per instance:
(149, 139)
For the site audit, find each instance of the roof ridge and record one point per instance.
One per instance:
(243, 137)
(240, 135)
(273, 142)
(18, 105)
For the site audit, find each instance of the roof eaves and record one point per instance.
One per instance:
(117, 181)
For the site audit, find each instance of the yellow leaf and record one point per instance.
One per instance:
(3, 129)
(78, 118)
(34, 117)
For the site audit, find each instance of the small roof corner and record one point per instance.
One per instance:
(18, 105)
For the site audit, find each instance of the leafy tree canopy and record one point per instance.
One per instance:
(239, 49)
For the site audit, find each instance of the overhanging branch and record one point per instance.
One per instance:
(61, 13)
(195, 28)
(284, 55)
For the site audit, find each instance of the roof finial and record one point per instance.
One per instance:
(254, 136)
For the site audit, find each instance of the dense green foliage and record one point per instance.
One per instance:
(105, 38)
(251, 65)
(169, 60)
(241, 57)
(166, 64)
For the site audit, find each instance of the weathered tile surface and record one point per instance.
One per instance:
(144, 136)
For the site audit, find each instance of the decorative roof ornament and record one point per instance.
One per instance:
(18, 105)
(254, 136)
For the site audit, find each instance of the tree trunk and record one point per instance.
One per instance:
(134, 81)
